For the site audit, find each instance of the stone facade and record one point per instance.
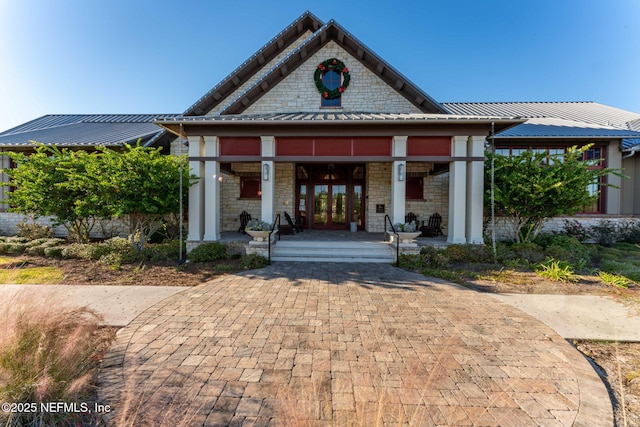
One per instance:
(435, 193)
(284, 200)
(231, 205)
(366, 91)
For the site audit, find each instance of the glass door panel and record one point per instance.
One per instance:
(321, 205)
(357, 205)
(339, 205)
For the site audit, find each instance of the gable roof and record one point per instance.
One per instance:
(306, 22)
(560, 119)
(83, 130)
(321, 35)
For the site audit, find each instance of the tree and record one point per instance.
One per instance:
(534, 186)
(51, 182)
(142, 186)
(79, 188)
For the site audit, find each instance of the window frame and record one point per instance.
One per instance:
(248, 189)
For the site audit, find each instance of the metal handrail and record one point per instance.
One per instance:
(388, 219)
(273, 227)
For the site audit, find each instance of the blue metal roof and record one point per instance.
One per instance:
(80, 130)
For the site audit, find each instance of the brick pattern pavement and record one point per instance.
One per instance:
(341, 345)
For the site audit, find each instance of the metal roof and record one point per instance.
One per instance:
(79, 130)
(328, 118)
(587, 112)
(561, 128)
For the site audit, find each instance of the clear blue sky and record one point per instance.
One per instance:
(160, 56)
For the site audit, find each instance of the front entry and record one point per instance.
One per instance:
(330, 197)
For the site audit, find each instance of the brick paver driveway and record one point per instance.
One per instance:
(346, 344)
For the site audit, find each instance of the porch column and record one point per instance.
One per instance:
(5, 163)
(212, 179)
(267, 173)
(613, 196)
(398, 179)
(475, 189)
(457, 191)
(196, 191)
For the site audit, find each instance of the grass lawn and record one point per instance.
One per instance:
(22, 274)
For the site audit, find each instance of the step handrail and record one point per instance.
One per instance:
(388, 219)
(273, 227)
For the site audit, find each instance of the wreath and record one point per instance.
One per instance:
(335, 65)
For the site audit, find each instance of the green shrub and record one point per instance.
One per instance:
(575, 229)
(209, 252)
(605, 233)
(33, 230)
(223, 268)
(553, 269)
(112, 259)
(528, 252)
(410, 261)
(468, 253)
(625, 269)
(252, 261)
(613, 279)
(163, 251)
(14, 248)
(630, 232)
(122, 247)
(53, 252)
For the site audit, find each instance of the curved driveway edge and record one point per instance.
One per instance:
(338, 344)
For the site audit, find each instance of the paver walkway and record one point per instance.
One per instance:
(355, 344)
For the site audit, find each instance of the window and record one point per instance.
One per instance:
(332, 80)
(250, 187)
(595, 156)
(414, 188)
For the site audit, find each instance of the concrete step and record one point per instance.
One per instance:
(332, 251)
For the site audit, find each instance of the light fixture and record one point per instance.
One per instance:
(265, 172)
(401, 172)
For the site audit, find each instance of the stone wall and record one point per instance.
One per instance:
(284, 199)
(105, 229)
(435, 194)
(557, 224)
(231, 205)
(366, 92)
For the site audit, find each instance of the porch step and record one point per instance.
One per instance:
(332, 251)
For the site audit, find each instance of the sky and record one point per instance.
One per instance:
(161, 56)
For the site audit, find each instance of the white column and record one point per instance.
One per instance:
(267, 172)
(398, 179)
(475, 190)
(196, 191)
(457, 191)
(212, 179)
(613, 197)
(5, 163)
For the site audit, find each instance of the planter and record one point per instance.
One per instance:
(408, 236)
(258, 235)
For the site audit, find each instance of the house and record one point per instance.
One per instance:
(317, 125)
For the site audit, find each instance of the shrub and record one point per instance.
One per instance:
(163, 251)
(252, 261)
(625, 269)
(529, 252)
(468, 253)
(613, 279)
(53, 252)
(120, 246)
(112, 259)
(568, 249)
(209, 252)
(556, 270)
(48, 354)
(575, 229)
(605, 233)
(630, 232)
(433, 257)
(33, 230)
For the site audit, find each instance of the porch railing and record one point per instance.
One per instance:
(388, 219)
(273, 228)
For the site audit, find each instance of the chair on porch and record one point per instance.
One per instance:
(297, 226)
(433, 228)
(411, 217)
(245, 217)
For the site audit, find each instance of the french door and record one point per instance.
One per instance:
(330, 206)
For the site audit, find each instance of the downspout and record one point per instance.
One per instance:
(631, 152)
(493, 202)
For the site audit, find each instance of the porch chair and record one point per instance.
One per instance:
(411, 217)
(297, 226)
(433, 228)
(245, 217)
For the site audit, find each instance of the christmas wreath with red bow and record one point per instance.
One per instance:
(337, 66)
